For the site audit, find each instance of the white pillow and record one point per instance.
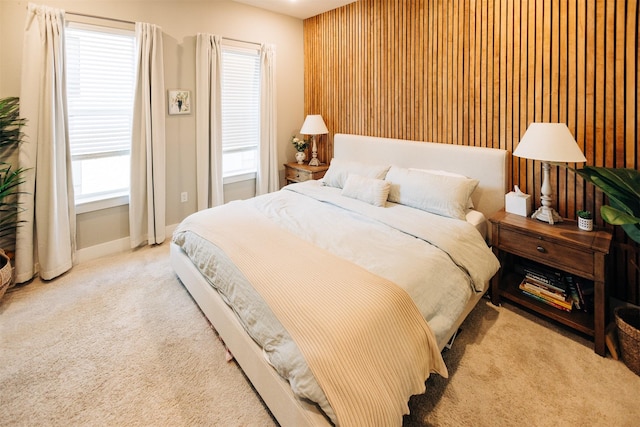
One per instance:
(436, 193)
(339, 170)
(370, 190)
(447, 173)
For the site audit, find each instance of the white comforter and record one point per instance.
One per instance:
(439, 261)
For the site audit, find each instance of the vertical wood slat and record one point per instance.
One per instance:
(519, 169)
(481, 77)
(464, 77)
(472, 72)
(580, 134)
(633, 63)
(477, 72)
(566, 186)
(459, 41)
(514, 114)
(504, 93)
(589, 94)
(531, 86)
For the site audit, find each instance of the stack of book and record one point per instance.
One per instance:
(562, 291)
(547, 290)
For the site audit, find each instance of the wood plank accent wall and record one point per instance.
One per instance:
(477, 72)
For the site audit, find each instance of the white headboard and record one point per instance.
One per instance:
(488, 165)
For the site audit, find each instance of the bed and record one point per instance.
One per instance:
(299, 283)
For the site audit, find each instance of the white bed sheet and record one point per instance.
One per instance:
(478, 220)
(405, 245)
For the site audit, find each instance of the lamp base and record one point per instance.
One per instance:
(314, 153)
(547, 214)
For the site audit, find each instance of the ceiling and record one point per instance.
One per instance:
(297, 8)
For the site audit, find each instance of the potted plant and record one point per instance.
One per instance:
(10, 179)
(300, 145)
(585, 220)
(622, 187)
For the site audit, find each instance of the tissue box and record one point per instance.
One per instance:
(517, 203)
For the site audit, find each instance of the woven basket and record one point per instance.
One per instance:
(628, 323)
(6, 273)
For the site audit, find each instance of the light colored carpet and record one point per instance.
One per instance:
(118, 341)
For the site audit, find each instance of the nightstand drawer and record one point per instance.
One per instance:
(298, 175)
(295, 172)
(538, 249)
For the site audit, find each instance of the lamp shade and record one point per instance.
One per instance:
(314, 125)
(549, 142)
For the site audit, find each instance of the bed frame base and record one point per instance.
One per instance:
(449, 343)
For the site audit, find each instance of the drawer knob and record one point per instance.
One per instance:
(541, 249)
(297, 175)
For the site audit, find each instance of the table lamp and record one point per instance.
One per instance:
(548, 142)
(314, 125)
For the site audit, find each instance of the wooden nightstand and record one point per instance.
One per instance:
(294, 172)
(564, 248)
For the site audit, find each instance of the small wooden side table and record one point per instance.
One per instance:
(562, 247)
(295, 172)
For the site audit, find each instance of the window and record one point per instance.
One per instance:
(240, 110)
(101, 71)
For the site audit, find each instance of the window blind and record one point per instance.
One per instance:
(100, 85)
(240, 99)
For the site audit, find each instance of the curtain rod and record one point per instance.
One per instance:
(241, 41)
(131, 22)
(100, 17)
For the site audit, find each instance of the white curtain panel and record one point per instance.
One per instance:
(46, 240)
(268, 179)
(147, 206)
(208, 121)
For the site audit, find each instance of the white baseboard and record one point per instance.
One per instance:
(111, 248)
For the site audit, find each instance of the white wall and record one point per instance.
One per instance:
(180, 20)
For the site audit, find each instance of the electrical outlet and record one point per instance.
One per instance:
(184, 196)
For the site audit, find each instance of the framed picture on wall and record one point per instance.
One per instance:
(179, 101)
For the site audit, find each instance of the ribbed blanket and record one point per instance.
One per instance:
(363, 337)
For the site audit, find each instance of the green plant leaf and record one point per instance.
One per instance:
(584, 214)
(633, 231)
(622, 186)
(10, 122)
(617, 217)
(10, 179)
